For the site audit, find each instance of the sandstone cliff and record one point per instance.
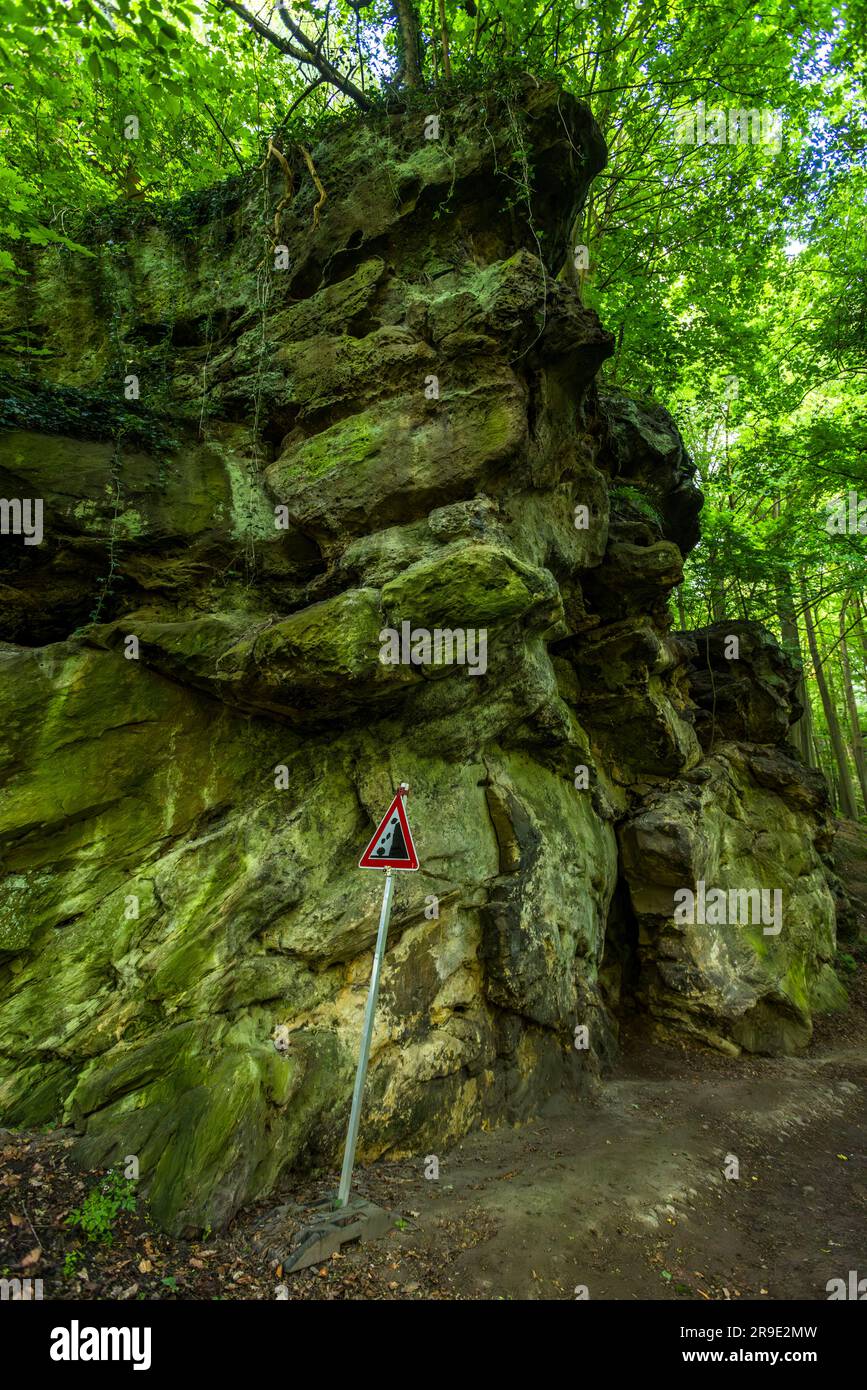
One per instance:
(382, 415)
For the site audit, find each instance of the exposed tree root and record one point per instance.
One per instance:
(289, 191)
(319, 187)
(288, 185)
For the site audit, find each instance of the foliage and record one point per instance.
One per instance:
(103, 1204)
(71, 1261)
(29, 404)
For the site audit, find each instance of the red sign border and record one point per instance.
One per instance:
(365, 862)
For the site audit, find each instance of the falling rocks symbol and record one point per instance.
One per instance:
(392, 846)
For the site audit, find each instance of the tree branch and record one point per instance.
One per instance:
(224, 135)
(306, 53)
(298, 100)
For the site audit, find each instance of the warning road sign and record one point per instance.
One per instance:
(391, 846)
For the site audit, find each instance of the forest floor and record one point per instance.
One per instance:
(624, 1194)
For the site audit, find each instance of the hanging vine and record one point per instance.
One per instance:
(524, 195)
(264, 286)
(115, 373)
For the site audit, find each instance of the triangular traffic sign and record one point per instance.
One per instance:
(391, 846)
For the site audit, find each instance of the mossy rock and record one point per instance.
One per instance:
(470, 585)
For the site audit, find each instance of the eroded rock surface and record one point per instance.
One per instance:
(400, 427)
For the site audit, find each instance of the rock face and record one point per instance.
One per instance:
(749, 973)
(743, 684)
(354, 432)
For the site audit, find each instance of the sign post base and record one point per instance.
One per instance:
(357, 1220)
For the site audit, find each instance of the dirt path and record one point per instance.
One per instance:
(629, 1197)
(625, 1195)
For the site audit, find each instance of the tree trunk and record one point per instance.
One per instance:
(444, 34)
(407, 26)
(862, 635)
(801, 732)
(852, 707)
(808, 731)
(433, 39)
(844, 778)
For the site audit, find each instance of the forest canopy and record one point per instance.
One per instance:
(724, 244)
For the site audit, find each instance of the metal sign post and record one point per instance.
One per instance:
(366, 1035)
(346, 1218)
